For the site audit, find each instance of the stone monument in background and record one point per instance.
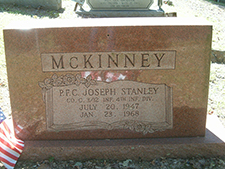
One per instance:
(118, 8)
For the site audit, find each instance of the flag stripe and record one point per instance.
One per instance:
(7, 166)
(10, 146)
(18, 129)
(5, 160)
(9, 150)
(8, 160)
(11, 137)
(4, 141)
(5, 152)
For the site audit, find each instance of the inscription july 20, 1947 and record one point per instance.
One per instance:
(98, 105)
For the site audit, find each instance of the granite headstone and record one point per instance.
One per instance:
(109, 78)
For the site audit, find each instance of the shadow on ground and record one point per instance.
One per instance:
(27, 10)
(218, 56)
(221, 3)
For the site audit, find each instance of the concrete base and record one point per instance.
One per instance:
(117, 13)
(213, 144)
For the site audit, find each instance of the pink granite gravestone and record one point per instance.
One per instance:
(109, 78)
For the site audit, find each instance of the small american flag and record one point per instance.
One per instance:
(10, 146)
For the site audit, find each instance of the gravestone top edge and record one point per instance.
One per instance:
(106, 22)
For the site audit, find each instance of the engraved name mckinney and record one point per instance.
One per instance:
(108, 60)
(86, 61)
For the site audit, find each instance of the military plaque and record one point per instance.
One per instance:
(120, 4)
(76, 103)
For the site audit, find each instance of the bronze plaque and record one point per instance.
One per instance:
(76, 103)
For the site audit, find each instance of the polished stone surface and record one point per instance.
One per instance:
(212, 145)
(26, 44)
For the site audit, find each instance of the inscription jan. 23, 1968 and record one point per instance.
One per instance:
(83, 103)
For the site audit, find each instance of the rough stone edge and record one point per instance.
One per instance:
(213, 144)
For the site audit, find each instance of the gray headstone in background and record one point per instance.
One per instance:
(120, 4)
(120, 8)
(47, 4)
